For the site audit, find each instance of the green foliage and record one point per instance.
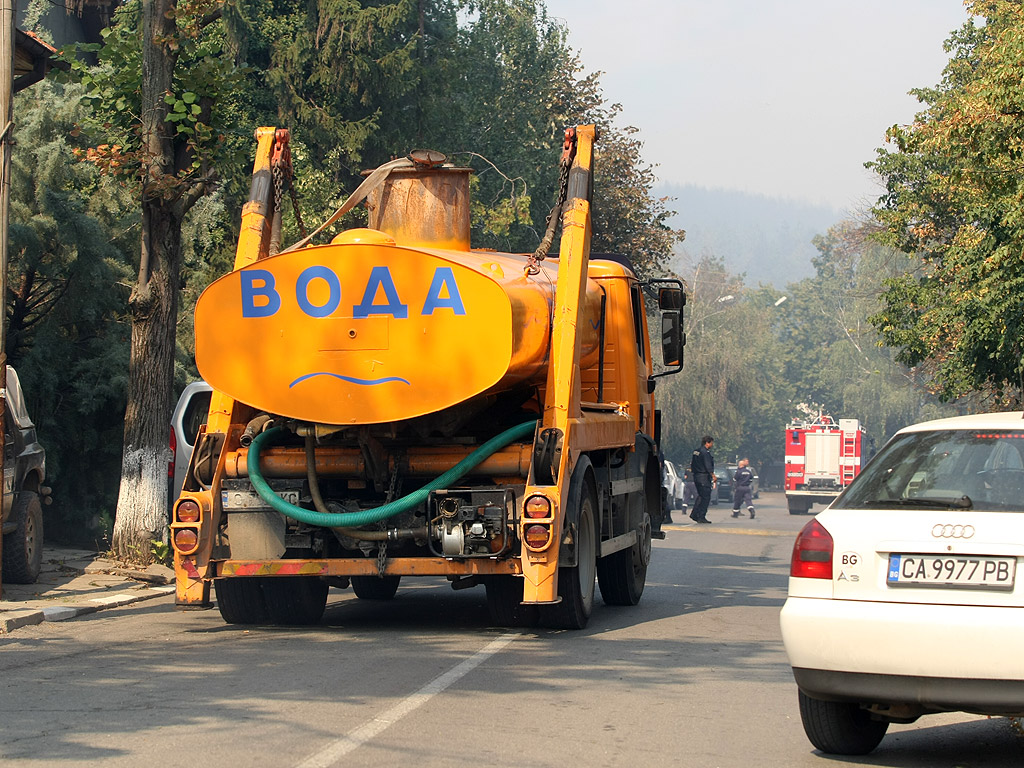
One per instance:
(161, 552)
(953, 200)
(753, 365)
(200, 107)
(67, 335)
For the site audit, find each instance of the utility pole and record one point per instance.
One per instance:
(7, 12)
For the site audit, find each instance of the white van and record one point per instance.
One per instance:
(189, 415)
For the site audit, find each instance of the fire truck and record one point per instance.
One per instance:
(822, 458)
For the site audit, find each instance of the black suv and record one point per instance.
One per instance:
(24, 492)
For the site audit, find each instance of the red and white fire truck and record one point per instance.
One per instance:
(822, 458)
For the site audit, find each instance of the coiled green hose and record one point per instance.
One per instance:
(367, 516)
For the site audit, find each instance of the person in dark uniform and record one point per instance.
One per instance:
(742, 488)
(702, 467)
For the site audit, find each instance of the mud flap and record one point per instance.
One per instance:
(567, 552)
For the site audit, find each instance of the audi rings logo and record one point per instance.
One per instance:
(952, 531)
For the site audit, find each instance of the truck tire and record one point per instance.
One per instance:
(240, 600)
(295, 600)
(798, 507)
(375, 587)
(623, 574)
(23, 547)
(840, 727)
(505, 603)
(576, 584)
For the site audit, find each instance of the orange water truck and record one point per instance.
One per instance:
(396, 404)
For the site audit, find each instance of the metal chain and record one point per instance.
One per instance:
(382, 550)
(295, 206)
(392, 486)
(564, 165)
(278, 175)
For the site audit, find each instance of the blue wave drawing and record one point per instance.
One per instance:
(350, 379)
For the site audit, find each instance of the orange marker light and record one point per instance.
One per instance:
(187, 512)
(538, 506)
(537, 536)
(186, 540)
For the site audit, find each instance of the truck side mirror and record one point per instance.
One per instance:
(672, 339)
(671, 298)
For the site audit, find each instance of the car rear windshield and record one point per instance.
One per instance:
(944, 469)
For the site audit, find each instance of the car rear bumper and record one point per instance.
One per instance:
(883, 651)
(941, 694)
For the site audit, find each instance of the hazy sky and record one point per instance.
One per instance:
(780, 97)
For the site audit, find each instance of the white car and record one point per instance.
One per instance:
(673, 484)
(903, 594)
(189, 415)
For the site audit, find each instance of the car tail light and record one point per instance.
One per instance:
(537, 536)
(187, 511)
(812, 553)
(174, 453)
(537, 507)
(186, 540)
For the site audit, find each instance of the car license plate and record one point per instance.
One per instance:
(952, 571)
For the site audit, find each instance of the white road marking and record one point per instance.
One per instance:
(364, 733)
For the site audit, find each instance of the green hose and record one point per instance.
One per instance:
(367, 516)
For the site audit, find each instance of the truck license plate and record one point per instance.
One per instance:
(236, 499)
(952, 571)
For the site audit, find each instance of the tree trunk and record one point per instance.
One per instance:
(141, 514)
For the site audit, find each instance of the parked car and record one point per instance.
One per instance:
(755, 486)
(189, 415)
(903, 593)
(673, 485)
(24, 492)
(723, 488)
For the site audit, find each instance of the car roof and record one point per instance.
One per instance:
(1003, 420)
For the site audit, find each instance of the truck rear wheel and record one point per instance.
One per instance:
(240, 600)
(375, 587)
(295, 600)
(505, 602)
(798, 507)
(623, 575)
(23, 547)
(576, 584)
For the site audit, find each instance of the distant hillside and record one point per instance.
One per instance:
(768, 239)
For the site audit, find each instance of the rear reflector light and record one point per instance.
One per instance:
(537, 536)
(812, 553)
(538, 506)
(174, 452)
(187, 511)
(186, 540)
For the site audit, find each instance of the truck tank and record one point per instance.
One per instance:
(386, 323)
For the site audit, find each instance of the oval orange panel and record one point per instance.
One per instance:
(353, 334)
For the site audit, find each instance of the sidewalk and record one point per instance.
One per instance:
(74, 582)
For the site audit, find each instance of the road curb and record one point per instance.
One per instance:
(17, 618)
(12, 620)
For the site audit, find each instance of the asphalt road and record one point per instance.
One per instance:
(693, 676)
